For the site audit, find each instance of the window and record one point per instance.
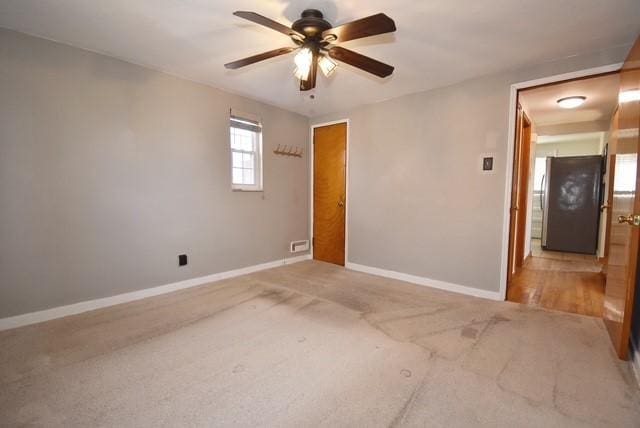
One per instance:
(624, 180)
(246, 154)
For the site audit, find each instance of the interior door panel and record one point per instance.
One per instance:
(329, 193)
(625, 201)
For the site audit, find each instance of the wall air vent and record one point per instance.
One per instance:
(299, 246)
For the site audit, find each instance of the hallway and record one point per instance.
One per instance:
(561, 281)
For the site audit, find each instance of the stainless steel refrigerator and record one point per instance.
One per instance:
(571, 204)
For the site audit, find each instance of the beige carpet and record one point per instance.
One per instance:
(312, 344)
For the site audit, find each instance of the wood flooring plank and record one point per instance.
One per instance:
(560, 281)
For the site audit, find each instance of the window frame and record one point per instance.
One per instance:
(256, 152)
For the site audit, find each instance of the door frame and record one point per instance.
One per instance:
(510, 161)
(346, 186)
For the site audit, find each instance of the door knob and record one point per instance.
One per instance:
(632, 219)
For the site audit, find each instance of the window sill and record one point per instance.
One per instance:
(240, 189)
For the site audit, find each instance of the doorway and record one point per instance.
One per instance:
(618, 245)
(329, 188)
(558, 235)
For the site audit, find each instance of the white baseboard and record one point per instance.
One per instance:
(420, 280)
(89, 305)
(635, 360)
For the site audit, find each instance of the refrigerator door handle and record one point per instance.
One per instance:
(542, 193)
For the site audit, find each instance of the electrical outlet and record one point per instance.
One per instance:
(182, 260)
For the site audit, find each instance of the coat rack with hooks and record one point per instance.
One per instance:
(289, 151)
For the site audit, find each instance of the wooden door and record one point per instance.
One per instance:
(625, 202)
(329, 192)
(523, 190)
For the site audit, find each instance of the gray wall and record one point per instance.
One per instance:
(417, 202)
(109, 170)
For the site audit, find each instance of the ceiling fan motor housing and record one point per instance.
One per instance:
(311, 24)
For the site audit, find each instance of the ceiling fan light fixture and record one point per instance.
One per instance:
(327, 66)
(571, 102)
(300, 74)
(314, 36)
(304, 62)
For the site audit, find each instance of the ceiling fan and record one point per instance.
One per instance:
(315, 37)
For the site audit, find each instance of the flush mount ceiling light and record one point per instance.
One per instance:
(628, 96)
(571, 102)
(316, 39)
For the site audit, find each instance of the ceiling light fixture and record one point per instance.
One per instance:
(628, 96)
(303, 61)
(317, 38)
(327, 66)
(571, 102)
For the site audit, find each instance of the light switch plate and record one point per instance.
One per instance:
(487, 163)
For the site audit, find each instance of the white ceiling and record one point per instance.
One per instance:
(540, 104)
(438, 42)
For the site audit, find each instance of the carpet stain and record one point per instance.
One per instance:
(499, 318)
(469, 332)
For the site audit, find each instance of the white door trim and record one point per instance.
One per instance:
(511, 147)
(347, 202)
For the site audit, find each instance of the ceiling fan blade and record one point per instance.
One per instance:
(260, 57)
(362, 62)
(269, 23)
(365, 27)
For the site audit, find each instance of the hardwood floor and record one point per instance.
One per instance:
(560, 281)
